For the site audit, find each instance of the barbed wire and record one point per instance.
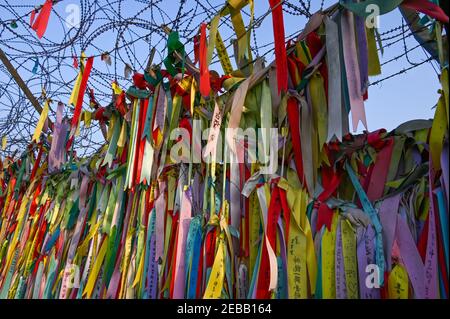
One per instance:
(126, 31)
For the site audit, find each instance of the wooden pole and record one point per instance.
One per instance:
(12, 70)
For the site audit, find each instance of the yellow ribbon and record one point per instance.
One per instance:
(302, 262)
(216, 278)
(4, 142)
(398, 283)
(319, 104)
(41, 122)
(350, 261)
(328, 247)
(95, 269)
(373, 59)
(74, 96)
(437, 133)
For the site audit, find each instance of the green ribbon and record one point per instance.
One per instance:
(148, 120)
(151, 80)
(174, 45)
(109, 158)
(137, 93)
(374, 218)
(20, 177)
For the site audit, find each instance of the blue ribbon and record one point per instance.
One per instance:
(255, 273)
(151, 269)
(372, 213)
(52, 240)
(444, 222)
(193, 246)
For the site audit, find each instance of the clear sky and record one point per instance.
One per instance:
(405, 97)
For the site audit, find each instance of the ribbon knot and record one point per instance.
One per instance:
(214, 220)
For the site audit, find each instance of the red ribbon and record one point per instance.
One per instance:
(380, 171)
(171, 259)
(198, 292)
(280, 48)
(274, 212)
(41, 233)
(217, 82)
(75, 62)
(32, 17)
(205, 85)
(246, 245)
(426, 7)
(375, 139)
(292, 71)
(37, 162)
(286, 213)
(315, 45)
(423, 238)
(441, 256)
(41, 22)
(196, 48)
(331, 181)
(83, 85)
(99, 114)
(294, 118)
(120, 104)
(186, 124)
(140, 141)
(139, 81)
(210, 247)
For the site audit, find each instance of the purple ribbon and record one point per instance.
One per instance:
(366, 256)
(444, 165)
(362, 52)
(56, 156)
(341, 288)
(283, 254)
(152, 274)
(411, 258)
(388, 217)
(430, 267)
(160, 210)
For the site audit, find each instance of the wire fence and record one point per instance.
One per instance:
(123, 32)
